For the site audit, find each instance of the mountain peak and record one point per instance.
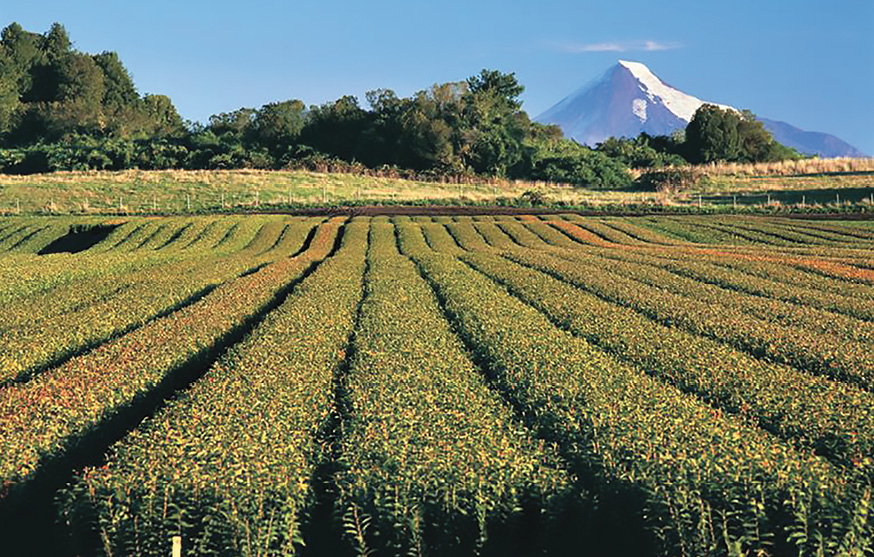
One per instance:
(629, 99)
(678, 102)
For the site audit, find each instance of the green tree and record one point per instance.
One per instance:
(277, 126)
(643, 151)
(56, 43)
(23, 51)
(237, 122)
(558, 159)
(383, 138)
(120, 90)
(717, 134)
(431, 129)
(713, 135)
(124, 110)
(337, 128)
(10, 104)
(163, 119)
(79, 105)
(494, 125)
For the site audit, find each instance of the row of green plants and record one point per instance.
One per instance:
(30, 238)
(522, 235)
(740, 233)
(26, 273)
(30, 275)
(579, 234)
(43, 418)
(698, 480)
(431, 460)
(803, 236)
(835, 419)
(804, 270)
(140, 234)
(817, 227)
(799, 235)
(845, 360)
(641, 232)
(655, 272)
(229, 465)
(688, 232)
(819, 272)
(40, 330)
(818, 292)
(843, 246)
(626, 262)
(549, 234)
(605, 231)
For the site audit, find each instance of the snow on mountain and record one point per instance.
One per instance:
(629, 99)
(678, 102)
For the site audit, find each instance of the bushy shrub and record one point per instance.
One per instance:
(533, 198)
(670, 180)
(568, 162)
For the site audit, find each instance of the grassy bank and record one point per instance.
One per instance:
(182, 192)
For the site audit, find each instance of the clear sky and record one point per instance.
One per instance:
(807, 62)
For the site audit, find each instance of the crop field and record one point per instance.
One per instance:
(497, 385)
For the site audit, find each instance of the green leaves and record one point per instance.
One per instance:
(228, 465)
(427, 440)
(503, 371)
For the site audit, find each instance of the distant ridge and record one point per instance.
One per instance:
(629, 99)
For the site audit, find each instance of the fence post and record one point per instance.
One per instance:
(803, 200)
(838, 198)
(177, 546)
(769, 199)
(188, 201)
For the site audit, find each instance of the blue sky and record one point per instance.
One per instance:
(809, 63)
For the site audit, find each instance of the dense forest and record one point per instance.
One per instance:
(62, 109)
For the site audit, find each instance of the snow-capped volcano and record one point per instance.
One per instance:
(629, 99)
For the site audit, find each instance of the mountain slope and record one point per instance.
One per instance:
(629, 99)
(810, 143)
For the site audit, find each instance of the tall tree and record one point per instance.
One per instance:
(713, 135)
(277, 126)
(495, 125)
(337, 128)
(123, 108)
(717, 134)
(56, 43)
(10, 104)
(23, 51)
(237, 122)
(163, 119)
(79, 105)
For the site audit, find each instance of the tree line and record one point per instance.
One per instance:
(62, 109)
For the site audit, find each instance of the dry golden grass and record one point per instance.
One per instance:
(842, 165)
(189, 191)
(182, 191)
